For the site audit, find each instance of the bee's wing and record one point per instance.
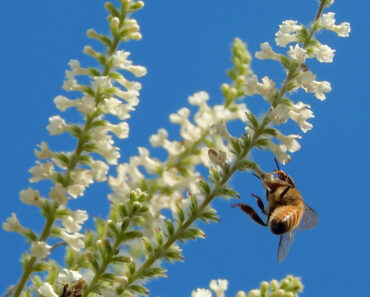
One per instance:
(309, 219)
(285, 242)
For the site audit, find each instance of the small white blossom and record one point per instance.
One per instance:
(198, 98)
(279, 152)
(287, 33)
(297, 53)
(73, 221)
(137, 70)
(86, 105)
(289, 141)
(41, 171)
(116, 107)
(152, 166)
(327, 21)
(44, 152)
(106, 149)
(47, 290)
(58, 193)
(159, 139)
(120, 59)
(219, 287)
(323, 53)
(299, 113)
(57, 125)
(306, 80)
(81, 179)
(220, 129)
(121, 130)
(75, 240)
(39, 249)
(267, 53)
(130, 96)
(62, 102)
(201, 293)
(68, 276)
(99, 170)
(30, 196)
(102, 83)
(252, 86)
(13, 225)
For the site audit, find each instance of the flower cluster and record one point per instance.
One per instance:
(106, 100)
(290, 286)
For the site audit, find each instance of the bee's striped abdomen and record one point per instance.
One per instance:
(285, 218)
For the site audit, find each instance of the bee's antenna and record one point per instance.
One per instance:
(256, 176)
(277, 164)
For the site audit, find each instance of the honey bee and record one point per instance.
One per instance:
(74, 289)
(286, 211)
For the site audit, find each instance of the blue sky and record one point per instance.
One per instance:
(186, 48)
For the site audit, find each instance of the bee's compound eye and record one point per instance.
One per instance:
(278, 227)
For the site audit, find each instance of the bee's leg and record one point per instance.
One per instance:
(284, 192)
(251, 212)
(259, 202)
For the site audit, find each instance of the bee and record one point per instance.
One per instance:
(286, 211)
(73, 289)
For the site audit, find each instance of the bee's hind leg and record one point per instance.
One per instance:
(251, 212)
(259, 203)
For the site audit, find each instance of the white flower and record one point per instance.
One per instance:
(137, 70)
(31, 197)
(86, 105)
(58, 193)
(279, 114)
(120, 60)
(279, 152)
(47, 290)
(219, 287)
(81, 179)
(321, 87)
(198, 98)
(57, 125)
(62, 102)
(220, 129)
(99, 170)
(121, 130)
(299, 113)
(44, 152)
(306, 80)
(116, 107)
(252, 86)
(287, 33)
(105, 148)
(324, 53)
(297, 53)
(159, 139)
(75, 240)
(267, 53)
(68, 276)
(201, 293)
(102, 83)
(130, 96)
(41, 171)
(39, 249)
(73, 222)
(152, 166)
(327, 21)
(13, 225)
(289, 141)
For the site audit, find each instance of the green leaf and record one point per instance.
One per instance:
(180, 214)
(121, 259)
(262, 142)
(63, 158)
(252, 119)
(170, 227)
(244, 165)
(153, 272)
(41, 266)
(205, 188)
(76, 131)
(132, 235)
(139, 289)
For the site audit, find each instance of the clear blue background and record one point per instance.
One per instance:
(186, 48)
